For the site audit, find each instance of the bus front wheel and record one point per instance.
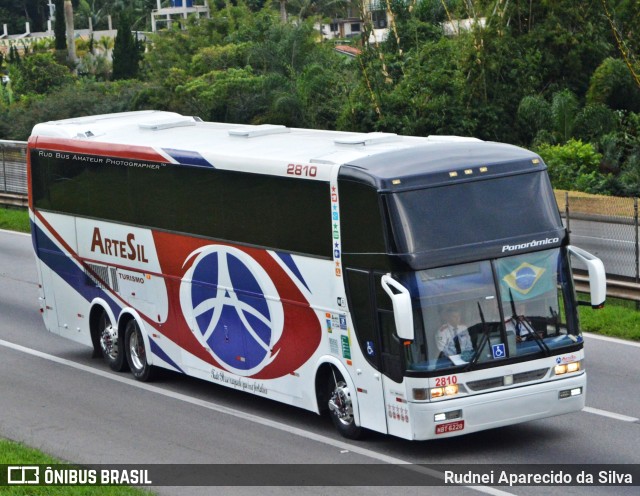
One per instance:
(341, 407)
(136, 352)
(111, 344)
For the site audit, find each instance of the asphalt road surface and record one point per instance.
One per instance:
(55, 397)
(614, 244)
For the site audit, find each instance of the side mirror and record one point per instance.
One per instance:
(402, 311)
(597, 275)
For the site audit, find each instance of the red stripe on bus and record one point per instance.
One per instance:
(131, 152)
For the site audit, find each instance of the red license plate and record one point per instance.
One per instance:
(450, 427)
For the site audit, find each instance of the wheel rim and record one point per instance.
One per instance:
(108, 338)
(340, 404)
(136, 348)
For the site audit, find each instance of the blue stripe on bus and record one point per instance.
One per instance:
(288, 261)
(49, 253)
(188, 157)
(159, 352)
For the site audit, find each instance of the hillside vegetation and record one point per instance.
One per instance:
(559, 77)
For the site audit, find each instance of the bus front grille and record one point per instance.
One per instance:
(496, 382)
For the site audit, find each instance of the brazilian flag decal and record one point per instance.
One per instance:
(528, 275)
(524, 277)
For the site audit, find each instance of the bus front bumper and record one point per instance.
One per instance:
(473, 413)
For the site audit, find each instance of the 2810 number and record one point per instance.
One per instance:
(446, 381)
(302, 170)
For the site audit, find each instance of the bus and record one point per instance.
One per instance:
(371, 276)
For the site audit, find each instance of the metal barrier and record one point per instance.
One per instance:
(13, 173)
(606, 226)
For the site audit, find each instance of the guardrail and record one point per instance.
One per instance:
(14, 200)
(13, 173)
(615, 288)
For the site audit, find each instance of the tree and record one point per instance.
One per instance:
(15, 13)
(613, 85)
(534, 116)
(574, 166)
(39, 74)
(126, 51)
(564, 108)
(59, 27)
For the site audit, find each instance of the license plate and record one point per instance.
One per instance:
(450, 427)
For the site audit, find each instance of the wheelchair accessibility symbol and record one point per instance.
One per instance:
(498, 350)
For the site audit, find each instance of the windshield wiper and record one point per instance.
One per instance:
(539, 341)
(483, 341)
(530, 330)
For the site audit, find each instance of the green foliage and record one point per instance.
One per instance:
(6, 96)
(59, 26)
(564, 107)
(234, 95)
(575, 38)
(126, 51)
(97, 66)
(39, 74)
(574, 166)
(595, 121)
(72, 100)
(516, 72)
(430, 97)
(533, 117)
(629, 142)
(612, 84)
(220, 57)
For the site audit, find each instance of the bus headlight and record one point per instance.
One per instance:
(439, 392)
(567, 368)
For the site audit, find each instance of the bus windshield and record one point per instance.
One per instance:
(472, 213)
(491, 311)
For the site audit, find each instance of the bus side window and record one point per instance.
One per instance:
(363, 314)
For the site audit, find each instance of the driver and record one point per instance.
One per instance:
(453, 338)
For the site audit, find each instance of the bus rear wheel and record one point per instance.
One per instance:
(341, 407)
(110, 344)
(136, 352)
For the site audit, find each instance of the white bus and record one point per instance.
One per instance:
(377, 277)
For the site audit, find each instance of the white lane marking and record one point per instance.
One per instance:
(611, 340)
(612, 415)
(14, 232)
(605, 413)
(246, 416)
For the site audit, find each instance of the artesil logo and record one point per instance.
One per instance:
(233, 306)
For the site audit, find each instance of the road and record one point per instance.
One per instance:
(614, 244)
(55, 397)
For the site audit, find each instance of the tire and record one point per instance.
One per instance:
(110, 344)
(136, 352)
(341, 408)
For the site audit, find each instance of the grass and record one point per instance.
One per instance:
(619, 318)
(12, 453)
(14, 220)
